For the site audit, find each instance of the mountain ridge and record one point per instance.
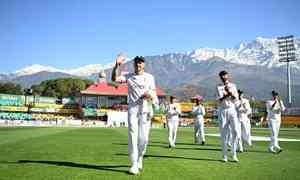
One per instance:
(254, 67)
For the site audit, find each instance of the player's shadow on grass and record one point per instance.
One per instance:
(123, 144)
(78, 165)
(202, 148)
(256, 151)
(206, 147)
(166, 145)
(153, 145)
(182, 143)
(174, 157)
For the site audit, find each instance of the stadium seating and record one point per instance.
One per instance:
(15, 116)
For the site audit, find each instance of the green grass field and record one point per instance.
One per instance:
(101, 153)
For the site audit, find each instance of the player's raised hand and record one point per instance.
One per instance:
(120, 58)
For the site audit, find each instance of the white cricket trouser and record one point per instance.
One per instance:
(274, 126)
(244, 134)
(138, 133)
(229, 137)
(172, 127)
(199, 130)
(228, 118)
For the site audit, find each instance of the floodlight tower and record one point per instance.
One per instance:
(287, 54)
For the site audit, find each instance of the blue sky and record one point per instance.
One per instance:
(72, 33)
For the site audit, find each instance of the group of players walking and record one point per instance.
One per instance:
(233, 114)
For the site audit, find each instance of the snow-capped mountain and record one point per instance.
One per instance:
(36, 68)
(254, 67)
(261, 52)
(86, 71)
(254, 61)
(83, 71)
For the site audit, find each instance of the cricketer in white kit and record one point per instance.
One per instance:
(198, 112)
(274, 109)
(244, 129)
(227, 97)
(141, 97)
(173, 112)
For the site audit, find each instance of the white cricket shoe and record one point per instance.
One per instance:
(272, 150)
(224, 159)
(140, 163)
(134, 170)
(235, 159)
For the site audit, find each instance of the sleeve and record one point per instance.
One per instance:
(219, 92)
(203, 111)
(150, 82)
(194, 110)
(239, 106)
(268, 106)
(169, 111)
(153, 91)
(282, 106)
(178, 108)
(248, 108)
(168, 108)
(234, 91)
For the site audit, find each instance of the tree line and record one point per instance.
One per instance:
(61, 87)
(10, 88)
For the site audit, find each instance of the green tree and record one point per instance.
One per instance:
(61, 87)
(10, 88)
